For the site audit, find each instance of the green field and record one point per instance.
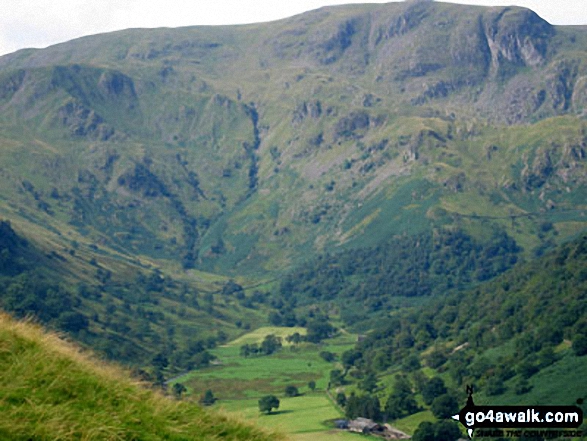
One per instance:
(303, 417)
(258, 335)
(238, 383)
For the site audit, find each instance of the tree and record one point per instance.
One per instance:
(312, 385)
(424, 432)
(341, 399)
(436, 358)
(294, 338)
(327, 356)
(432, 389)
(411, 363)
(336, 377)
(446, 431)
(580, 345)
(179, 389)
(319, 330)
(160, 361)
(364, 406)
(401, 401)
(349, 357)
(444, 406)
(369, 383)
(267, 403)
(207, 399)
(495, 386)
(439, 431)
(291, 391)
(270, 344)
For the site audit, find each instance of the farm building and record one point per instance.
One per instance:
(364, 425)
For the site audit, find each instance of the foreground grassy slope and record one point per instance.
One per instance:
(49, 390)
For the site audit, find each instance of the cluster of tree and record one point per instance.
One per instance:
(401, 401)
(268, 346)
(316, 331)
(31, 293)
(130, 317)
(27, 290)
(438, 431)
(552, 286)
(421, 265)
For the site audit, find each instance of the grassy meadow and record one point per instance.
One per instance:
(238, 383)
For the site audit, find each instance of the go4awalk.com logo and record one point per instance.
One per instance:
(517, 421)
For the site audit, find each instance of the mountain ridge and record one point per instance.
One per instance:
(248, 146)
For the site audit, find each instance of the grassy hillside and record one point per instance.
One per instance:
(242, 149)
(50, 390)
(127, 312)
(168, 190)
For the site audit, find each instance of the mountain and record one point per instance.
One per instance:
(54, 391)
(396, 169)
(242, 150)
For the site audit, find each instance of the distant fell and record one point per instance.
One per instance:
(243, 149)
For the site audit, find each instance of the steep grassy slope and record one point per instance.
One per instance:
(49, 390)
(242, 149)
(125, 311)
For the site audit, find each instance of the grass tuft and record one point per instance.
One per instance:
(49, 389)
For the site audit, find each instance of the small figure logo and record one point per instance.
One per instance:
(469, 407)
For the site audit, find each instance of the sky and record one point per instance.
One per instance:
(41, 23)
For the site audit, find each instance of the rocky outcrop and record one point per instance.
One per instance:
(517, 37)
(10, 83)
(114, 84)
(84, 122)
(312, 109)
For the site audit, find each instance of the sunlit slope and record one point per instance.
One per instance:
(49, 390)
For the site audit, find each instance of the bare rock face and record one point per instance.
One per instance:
(115, 84)
(84, 122)
(579, 97)
(11, 83)
(516, 36)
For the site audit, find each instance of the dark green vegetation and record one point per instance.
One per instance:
(268, 403)
(391, 169)
(142, 318)
(516, 339)
(512, 326)
(367, 282)
(49, 390)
